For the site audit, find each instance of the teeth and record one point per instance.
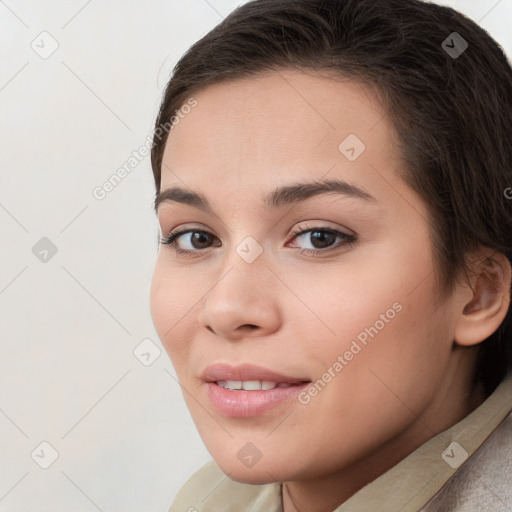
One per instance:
(251, 385)
(232, 384)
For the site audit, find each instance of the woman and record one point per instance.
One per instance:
(333, 282)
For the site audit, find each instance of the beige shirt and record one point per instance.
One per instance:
(467, 467)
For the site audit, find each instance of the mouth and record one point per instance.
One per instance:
(246, 390)
(248, 374)
(252, 385)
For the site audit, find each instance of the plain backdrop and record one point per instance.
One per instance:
(91, 415)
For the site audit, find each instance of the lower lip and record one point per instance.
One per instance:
(244, 404)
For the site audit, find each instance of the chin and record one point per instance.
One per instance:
(251, 476)
(258, 474)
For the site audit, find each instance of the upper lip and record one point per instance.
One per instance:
(223, 371)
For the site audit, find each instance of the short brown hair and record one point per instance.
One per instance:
(452, 113)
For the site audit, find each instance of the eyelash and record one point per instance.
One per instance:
(348, 240)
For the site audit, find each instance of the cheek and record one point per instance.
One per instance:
(333, 304)
(394, 349)
(377, 314)
(390, 364)
(172, 303)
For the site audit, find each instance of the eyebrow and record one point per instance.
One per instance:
(281, 196)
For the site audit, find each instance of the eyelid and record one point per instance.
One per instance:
(348, 239)
(175, 233)
(309, 225)
(294, 232)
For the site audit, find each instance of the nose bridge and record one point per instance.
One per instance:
(245, 266)
(241, 295)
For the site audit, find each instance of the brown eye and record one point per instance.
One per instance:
(321, 240)
(200, 240)
(189, 240)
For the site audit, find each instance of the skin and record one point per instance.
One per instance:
(411, 381)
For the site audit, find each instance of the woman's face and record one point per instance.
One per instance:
(329, 292)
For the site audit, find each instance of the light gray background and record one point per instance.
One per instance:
(69, 325)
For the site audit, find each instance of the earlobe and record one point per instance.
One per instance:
(489, 302)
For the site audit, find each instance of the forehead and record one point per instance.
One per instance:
(274, 126)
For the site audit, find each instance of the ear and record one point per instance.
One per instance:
(486, 301)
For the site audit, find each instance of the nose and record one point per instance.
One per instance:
(242, 302)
